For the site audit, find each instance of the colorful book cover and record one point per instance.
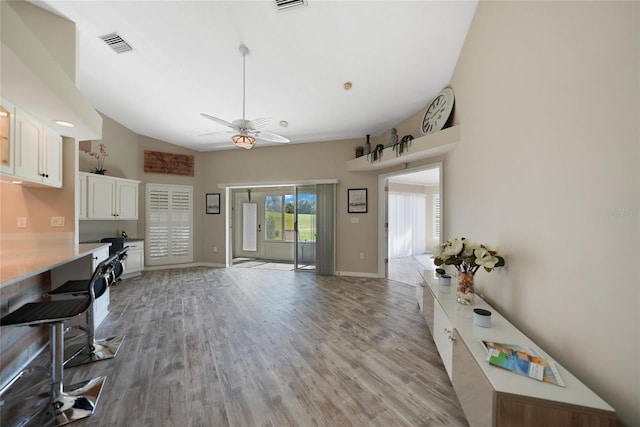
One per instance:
(523, 361)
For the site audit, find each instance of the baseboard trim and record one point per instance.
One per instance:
(189, 265)
(358, 274)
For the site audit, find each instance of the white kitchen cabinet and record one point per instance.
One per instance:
(81, 196)
(134, 264)
(38, 151)
(111, 198)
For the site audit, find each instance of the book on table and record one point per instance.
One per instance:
(524, 361)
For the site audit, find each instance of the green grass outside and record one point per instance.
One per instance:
(306, 224)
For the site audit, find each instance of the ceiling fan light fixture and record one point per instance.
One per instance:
(243, 141)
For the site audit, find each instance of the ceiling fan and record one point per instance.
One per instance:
(246, 132)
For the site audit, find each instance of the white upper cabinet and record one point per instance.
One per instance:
(7, 113)
(38, 151)
(111, 198)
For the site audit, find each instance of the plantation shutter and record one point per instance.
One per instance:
(436, 217)
(169, 224)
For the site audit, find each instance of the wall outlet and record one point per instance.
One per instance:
(22, 222)
(215, 249)
(361, 255)
(57, 221)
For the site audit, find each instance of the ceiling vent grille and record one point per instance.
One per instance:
(116, 42)
(287, 4)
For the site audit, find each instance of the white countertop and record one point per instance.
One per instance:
(21, 260)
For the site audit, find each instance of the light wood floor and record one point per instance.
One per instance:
(405, 269)
(247, 347)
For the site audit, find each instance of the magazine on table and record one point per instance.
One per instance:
(524, 361)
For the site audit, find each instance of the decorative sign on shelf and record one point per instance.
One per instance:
(175, 164)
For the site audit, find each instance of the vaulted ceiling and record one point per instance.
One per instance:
(185, 61)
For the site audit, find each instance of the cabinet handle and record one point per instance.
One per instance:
(451, 338)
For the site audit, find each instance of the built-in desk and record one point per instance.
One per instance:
(492, 396)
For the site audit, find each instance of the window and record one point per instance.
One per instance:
(169, 224)
(279, 211)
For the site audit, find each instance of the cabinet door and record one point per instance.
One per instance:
(100, 198)
(52, 158)
(27, 142)
(127, 200)
(81, 196)
(472, 387)
(442, 336)
(7, 133)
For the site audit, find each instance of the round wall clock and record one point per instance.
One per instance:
(437, 112)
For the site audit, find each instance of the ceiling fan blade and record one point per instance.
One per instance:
(223, 132)
(217, 120)
(271, 137)
(261, 123)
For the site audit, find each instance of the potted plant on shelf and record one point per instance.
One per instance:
(467, 257)
(376, 153)
(100, 157)
(359, 151)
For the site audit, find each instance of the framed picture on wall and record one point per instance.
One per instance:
(357, 200)
(213, 203)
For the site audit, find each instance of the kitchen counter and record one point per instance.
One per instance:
(20, 260)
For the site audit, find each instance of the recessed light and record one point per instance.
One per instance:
(65, 124)
(347, 85)
(284, 123)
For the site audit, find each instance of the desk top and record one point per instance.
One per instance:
(22, 259)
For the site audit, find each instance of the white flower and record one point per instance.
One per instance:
(453, 247)
(485, 259)
(470, 247)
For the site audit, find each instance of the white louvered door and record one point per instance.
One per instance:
(169, 224)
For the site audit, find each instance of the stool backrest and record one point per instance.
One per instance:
(101, 276)
(118, 267)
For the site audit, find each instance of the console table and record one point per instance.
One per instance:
(492, 396)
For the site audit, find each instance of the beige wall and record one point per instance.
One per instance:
(547, 94)
(294, 163)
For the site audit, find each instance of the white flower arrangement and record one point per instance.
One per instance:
(467, 256)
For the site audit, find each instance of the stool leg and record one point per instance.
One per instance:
(75, 404)
(94, 350)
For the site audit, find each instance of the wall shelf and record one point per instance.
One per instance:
(425, 147)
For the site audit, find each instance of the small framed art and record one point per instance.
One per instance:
(357, 200)
(213, 203)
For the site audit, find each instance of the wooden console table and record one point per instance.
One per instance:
(492, 396)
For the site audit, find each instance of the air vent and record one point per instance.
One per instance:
(116, 42)
(286, 4)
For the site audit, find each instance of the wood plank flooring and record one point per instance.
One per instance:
(247, 347)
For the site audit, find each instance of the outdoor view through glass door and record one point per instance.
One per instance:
(305, 226)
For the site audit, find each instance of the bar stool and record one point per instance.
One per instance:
(66, 406)
(118, 266)
(93, 350)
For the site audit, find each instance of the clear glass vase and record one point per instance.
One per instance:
(466, 290)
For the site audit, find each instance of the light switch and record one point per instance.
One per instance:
(355, 220)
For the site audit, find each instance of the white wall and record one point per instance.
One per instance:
(547, 94)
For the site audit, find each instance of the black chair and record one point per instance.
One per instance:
(118, 266)
(66, 406)
(92, 350)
